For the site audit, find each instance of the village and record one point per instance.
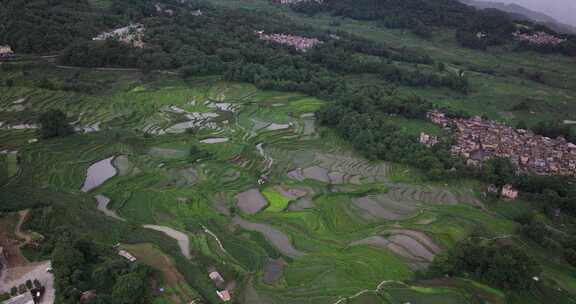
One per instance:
(132, 34)
(301, 44)
(23, 281)
(296, 1)
(538, 38)
(478, 140)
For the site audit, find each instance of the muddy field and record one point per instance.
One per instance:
(98, 173)
(276, 237)
(416, 247)
(273, 270)
(251, 201)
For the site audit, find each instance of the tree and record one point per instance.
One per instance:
(499, 171)
(570, 256)
(54, 123)
(521, 125)
(501, 264)
(130, 289)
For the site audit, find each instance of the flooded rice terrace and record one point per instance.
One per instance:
(99, 173)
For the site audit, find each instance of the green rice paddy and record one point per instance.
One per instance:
(278, 202)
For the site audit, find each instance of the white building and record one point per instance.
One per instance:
(6, 51)
(224, 295)
(125, 254)
(216, 277)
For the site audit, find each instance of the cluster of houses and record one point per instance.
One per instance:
(296, 1)
(6, 52)
(162, 10)
(132, 34)
(301, 44)
(428, 140)
(507, 191)
(478, 140)
(539, 38)
(221, 291)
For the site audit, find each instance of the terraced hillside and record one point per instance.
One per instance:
(196, 174)
(238, 177)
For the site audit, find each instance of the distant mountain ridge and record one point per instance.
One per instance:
(522, 12)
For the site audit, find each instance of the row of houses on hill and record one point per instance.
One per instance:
(478, 140)
(301, 44)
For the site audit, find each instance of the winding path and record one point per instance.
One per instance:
(216, 238)
(18, 231)
(180, 237)
(361, 292)
(103, 202)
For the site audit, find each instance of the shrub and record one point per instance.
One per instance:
(570, 256)
(54, 123)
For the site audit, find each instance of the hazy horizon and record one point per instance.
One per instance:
(563, 10)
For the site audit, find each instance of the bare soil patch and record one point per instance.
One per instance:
(316, 173)
(276, 237)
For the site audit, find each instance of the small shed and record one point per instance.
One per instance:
(224, 295)
(508, 192)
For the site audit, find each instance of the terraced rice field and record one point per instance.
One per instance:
(239, 180)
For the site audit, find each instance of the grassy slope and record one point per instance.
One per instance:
(493, 95)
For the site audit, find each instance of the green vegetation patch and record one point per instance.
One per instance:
(278, 202)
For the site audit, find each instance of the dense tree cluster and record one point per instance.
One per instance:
(536, 229)
(485, 28)
(54, 123)
(80, 264)
(418, 78)
(39, 26)
(555, 129)
(553, 193)
(109, 53)
(360, 116)
(224, 41)
(3, 168)
(498, 263)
